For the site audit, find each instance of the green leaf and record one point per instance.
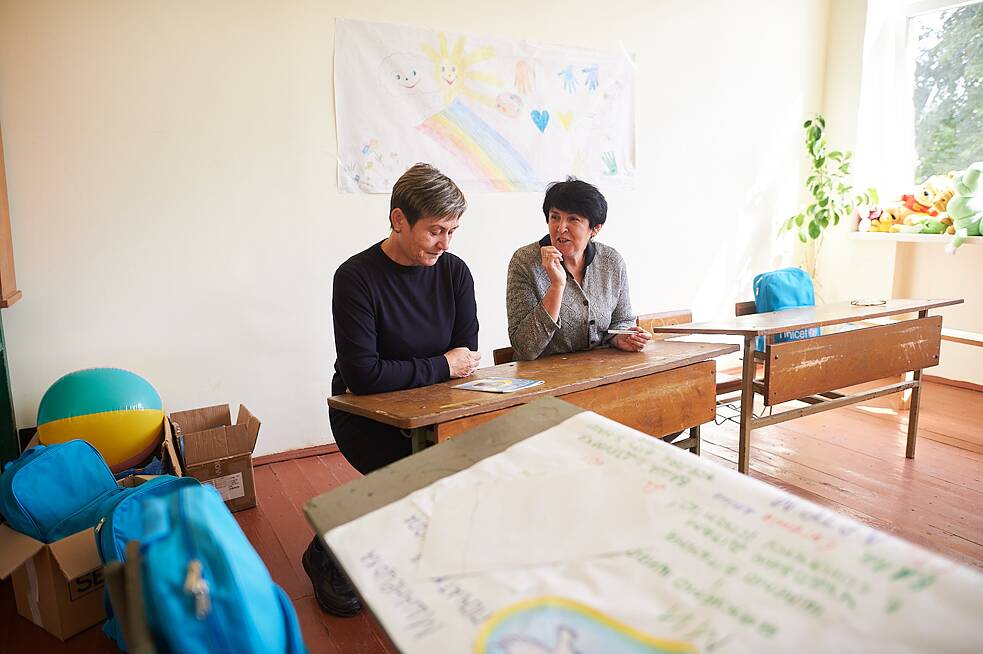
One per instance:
(802, 237)
(807, 124)
(799, 219)
(872, 192)
(823, 201)
(821, 120)
(814, 230)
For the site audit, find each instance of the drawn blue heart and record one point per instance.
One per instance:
(541, 119)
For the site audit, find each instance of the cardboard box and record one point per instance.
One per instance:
(216, 452)
(58, 586)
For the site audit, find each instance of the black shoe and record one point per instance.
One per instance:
(331, 589)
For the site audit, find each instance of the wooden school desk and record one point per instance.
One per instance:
(668, 387)
(810, 370)
(698, 558)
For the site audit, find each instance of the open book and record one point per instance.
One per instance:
(499, 384)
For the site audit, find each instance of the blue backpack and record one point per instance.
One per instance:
(121, 520)
(52, 492)
(787, 288)
(205, 589)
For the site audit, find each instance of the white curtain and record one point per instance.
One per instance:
(885, 134)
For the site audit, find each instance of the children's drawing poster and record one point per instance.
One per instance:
(592, 537)
(491, 113)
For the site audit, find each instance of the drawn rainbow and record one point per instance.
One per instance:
(481, 148)
(541, 619)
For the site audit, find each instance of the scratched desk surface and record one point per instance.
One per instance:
(561, 374)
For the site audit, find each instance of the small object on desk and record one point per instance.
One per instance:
(499, 384)
(623, 331)
(868, 303)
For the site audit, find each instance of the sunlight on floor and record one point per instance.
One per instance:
(879, 410)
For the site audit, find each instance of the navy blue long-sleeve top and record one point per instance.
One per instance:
(393, 323)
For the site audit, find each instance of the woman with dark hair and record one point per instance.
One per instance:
(566, 291)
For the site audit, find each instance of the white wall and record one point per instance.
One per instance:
(171, 170)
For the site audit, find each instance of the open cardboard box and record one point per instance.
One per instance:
(58, 586)
(216, 452)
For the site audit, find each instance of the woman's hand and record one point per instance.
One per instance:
(462, 362)
(553, 263)
(632, 342)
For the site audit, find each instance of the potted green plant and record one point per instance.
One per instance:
(828, 184)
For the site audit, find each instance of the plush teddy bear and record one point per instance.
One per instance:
(966, 206)
(920, 202)
(937, 190)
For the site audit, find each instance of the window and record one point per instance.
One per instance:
(945, 48)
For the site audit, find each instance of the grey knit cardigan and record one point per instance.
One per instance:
(586, 312)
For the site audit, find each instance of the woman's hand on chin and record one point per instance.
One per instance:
(553, 263)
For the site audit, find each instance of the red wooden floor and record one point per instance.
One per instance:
(851, 460)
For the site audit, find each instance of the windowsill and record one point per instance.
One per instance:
(938, 239)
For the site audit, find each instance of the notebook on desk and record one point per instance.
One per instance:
(499, 384)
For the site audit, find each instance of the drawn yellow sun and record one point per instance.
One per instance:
(453, 69)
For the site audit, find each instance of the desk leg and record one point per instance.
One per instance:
(916, 398)
(747, 406)
(694, 433)
(422, 438)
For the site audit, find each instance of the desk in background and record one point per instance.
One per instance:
(812, 369)
(666, 388)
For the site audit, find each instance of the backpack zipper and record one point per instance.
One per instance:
(196, 585)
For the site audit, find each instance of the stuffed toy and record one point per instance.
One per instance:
(864, 216)
(889, 217)
(912, 202)
(966, 206)
(921, 225)
(937, 191)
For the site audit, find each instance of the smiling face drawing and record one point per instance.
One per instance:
(448, 72)
(402, 72)
(454, 69)
(407, 78)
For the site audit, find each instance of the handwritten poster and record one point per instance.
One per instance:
(491, 113)
(663, 552)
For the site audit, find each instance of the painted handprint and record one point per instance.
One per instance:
(590, 80)
(610, 163)
(567, 79)
(525, 76)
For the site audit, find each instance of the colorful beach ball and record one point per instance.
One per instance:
(117, 411)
